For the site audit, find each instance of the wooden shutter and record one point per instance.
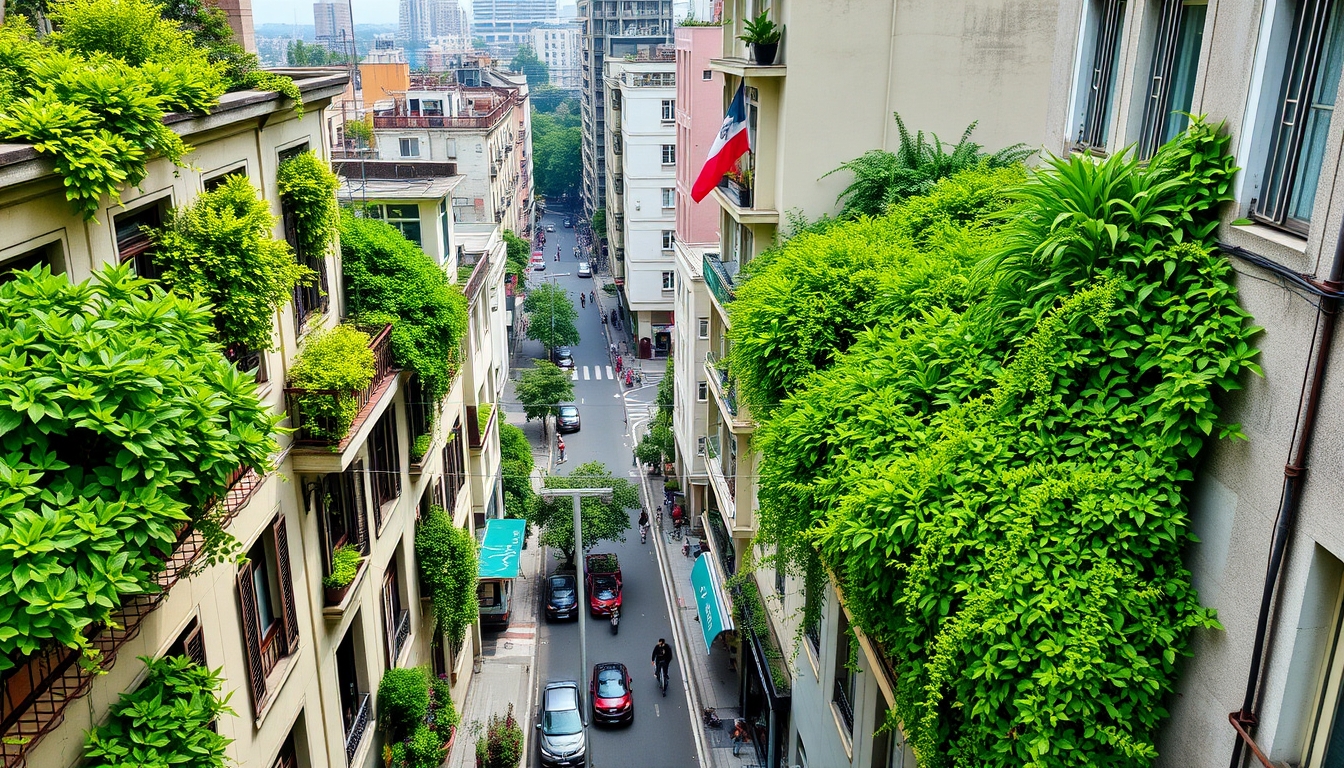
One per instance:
(289, 615)
(327, 489)
(193, 644)
(390, 618)
(247, 599)
(355, 487)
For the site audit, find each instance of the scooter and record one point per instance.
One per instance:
(615, 619)
(710, 719)
(629, 378)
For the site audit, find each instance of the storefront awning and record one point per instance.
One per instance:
(501, 548)
(714, 614)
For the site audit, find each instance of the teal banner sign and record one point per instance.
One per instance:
(501, 548)
(709, 601)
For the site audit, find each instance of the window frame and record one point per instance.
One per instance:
(1167, 56)
(384, 463)
(668, 109)
(136, 247)
(263, 658)
(702, 327)
(702, 390)
(669, 154)
(669, 238)
(669, 197)
(1102, 73)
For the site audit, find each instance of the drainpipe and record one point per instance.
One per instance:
(1294, 477)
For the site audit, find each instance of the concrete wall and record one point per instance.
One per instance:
(699, 117)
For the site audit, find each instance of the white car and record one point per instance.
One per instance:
(550, 227)
(585, 270)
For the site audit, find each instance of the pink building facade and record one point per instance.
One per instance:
(699, 113)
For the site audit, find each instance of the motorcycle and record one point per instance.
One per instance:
(629, 378)
(711, 719)
(615, 619)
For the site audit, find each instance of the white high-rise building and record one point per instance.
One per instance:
(559, 46)
(332, 22)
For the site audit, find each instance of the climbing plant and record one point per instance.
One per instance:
(447, 557)
(120, 421)
(996, 469)
(221, 247)
(337, 359)
(308, 188)
(388, 279)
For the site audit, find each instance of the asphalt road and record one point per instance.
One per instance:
(661, 735)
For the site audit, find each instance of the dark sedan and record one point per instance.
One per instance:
(562, 597)
(613, 702)
(568, 419)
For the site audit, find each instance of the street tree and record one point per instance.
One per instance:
(659, 444)
(557, 159)
(516, 463)
(518, 252)
(541, 389)
(534, 68)
(551, 317)
(602, 520)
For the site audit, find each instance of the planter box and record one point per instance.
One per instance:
(736, 193)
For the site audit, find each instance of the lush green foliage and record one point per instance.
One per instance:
(119, 422)
(501, 746)
(389, 280)
(599, 224)
(421, 446)
(602, 520)
(749, 612)
(526, 62)
(997, 470)
(301, 54)
(403, 701)
(551, 316)
(518, 252)
(221, 247)
(556, 153)
(447, 557)
(548, 98)
(345, 562)
(541, 389)
(166, 722)
(761, 30)
(417, 713)
(659, 444)
(515, 464)
(308, 188)
(882, 179)
(483, 412)
(338, 359)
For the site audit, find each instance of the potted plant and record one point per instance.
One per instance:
(416, 712)
(419, 448)
(345, 563)
(501, 746)
(737, 186)
(763, 36)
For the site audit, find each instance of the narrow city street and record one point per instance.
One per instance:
(661, 735)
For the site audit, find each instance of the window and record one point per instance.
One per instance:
(48, 255)
(345, 518)
(409, 147)
(702, 390)
(190, 643)
(454, 466)
(396, 619)
(310, 298)
(707, 74)
(1310, 79)
(703, 327)
(353, 699)
(216, 181)
(133, 242)
(842, 697)
(444, 230)
(669, 281)
(1099, 94)
(288, 757)
(668, 236)
(384, 463)
(669, 110)
(266, 598)
(1171, 85)
(669, 197)
(669, 154)
(404, 216)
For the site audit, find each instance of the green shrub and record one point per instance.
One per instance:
(221, 247)
(166, 722)
(501, 746)
(421, 446)
(447, 558)
(308, 187)
(388, 278)
(483, 412)
(518, 254)
(104, 462)
(442, 711)
(403, 701)
(336, 359)
(345, 562)
(424, 749)
(516, 464)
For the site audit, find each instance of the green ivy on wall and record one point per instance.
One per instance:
(120, 421)
(447, 558)
(337, 359)
(221, 247)
(994, 456)
(308, 188)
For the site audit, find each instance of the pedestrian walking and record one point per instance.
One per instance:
(560, 446)
(739, 735)
(592, 296)
(583, 301)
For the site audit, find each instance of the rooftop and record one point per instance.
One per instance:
(397, 189)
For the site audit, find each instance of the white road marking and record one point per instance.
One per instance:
(609, 373)
(574, 374)
(585, 373)
(656, 713)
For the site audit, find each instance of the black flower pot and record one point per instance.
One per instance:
(764, 53)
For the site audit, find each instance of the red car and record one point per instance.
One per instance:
(604, 594)
(610, 691)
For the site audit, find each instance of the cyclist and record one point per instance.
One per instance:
(643, 525)
(662, 659)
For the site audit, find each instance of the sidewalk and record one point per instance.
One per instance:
(505, 671)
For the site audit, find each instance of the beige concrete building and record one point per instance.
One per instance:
(1270, 71)
(303, 668)
(941, 66)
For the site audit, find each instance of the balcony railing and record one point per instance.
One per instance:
(35, 693)
(724, 385)
(321, 430)
(354, 732)
(479, 273)
(476, 433)
(440, 121)
(717, 279)
(402, 632)
(725, 485)
(842, 704)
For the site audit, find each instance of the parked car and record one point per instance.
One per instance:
(585, 270)
(550, 227)
(568, 419)
(538, 261)
(613, 701)
(562, 597)
(563, 733)
(564, 357)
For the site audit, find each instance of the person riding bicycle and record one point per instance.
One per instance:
(643, 524)
(662, 659)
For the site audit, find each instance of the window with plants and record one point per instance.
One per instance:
(167, 721)
(518, 254)
(345, 562)
(308, 190)
(334, 365)
(120, 422)
(221, 247)
(418, 717)
(990, 440)
(94, 92)
(749, 612)
(447, 558)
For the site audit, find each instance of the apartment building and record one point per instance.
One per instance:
(558, 46)
(303, 665)
(506, 25)
(1264, 690)
(333, 24)
(484, 132)
(940, 66)
(611, 29)
(699, 114)
(641, 196)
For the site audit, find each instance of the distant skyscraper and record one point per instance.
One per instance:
(332, 22)
(415, 21)
(506, 25)
(449, 20)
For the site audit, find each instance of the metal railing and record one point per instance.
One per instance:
(354, 733)
(477, 279)
(422, 121)
(313, 412)
(717, 279)
(842, 705)
(402, 633)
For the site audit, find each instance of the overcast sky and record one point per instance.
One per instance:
(301, 11)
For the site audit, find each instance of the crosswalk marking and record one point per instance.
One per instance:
(574, 374)
(585, 373)
(609, 373)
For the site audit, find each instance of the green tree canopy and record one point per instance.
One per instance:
(659, 444)
(602, 520)
(535, 69)
(541, 389)
(516, 465)
(120, 420)
(556, 154)
(599, 224)
(550, 99)
(301, 54)
(551, 316)
(518, 254)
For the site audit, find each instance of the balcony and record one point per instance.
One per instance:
(717, 279)
(316, 448)
(724, 387)
(479, 422)
(479, 274)
(400, 634)
(741, 67)
(356, 725)
(724, 487)
(843, 706)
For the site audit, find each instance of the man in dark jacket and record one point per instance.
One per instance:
(662, 659)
